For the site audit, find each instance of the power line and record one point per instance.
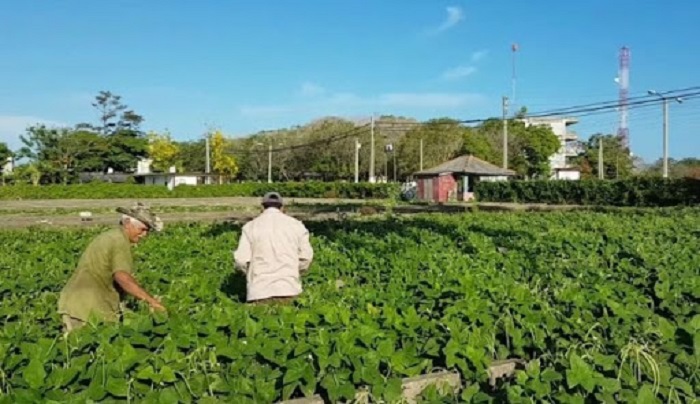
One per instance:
(583, 110)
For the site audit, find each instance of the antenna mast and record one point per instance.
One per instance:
(624, 82)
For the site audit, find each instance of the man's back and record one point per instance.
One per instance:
(274, 248)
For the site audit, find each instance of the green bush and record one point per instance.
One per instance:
(116, 191)
(629, 192)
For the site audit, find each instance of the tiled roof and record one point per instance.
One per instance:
(467, 164)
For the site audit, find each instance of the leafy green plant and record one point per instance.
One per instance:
(599, 307)
(287, 189)
(628, 192)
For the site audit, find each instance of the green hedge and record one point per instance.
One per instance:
(116, 191)
(630, 192)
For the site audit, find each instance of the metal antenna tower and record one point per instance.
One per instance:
(623, 80)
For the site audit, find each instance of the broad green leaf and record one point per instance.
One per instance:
(129, 357)
(167, 375)
(117, 387)
(147, 373)
(609, 385)
(533, 369)
(393, 390)
(550, 375)
(251, 328)
(469, 393)
(168, 396)
(580, 374)
(646, 395)
(34, 374)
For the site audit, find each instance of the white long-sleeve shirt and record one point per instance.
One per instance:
(273, 250)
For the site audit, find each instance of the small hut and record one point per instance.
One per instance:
(454, 180)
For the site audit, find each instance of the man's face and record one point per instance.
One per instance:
(135, 230)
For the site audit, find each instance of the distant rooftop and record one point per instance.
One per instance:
(467, 164)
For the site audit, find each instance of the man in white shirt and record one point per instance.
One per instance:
(273, 251)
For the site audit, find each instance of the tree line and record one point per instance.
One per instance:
(321, 150)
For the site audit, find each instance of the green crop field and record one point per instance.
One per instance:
(603, 306)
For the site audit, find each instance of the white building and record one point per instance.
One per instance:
(560, 162)
(143, 166)
(8, 167)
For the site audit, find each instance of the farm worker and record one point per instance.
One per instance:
(273, 251)
(105, 271)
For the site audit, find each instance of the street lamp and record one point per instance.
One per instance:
(389, 149)
(665, 111)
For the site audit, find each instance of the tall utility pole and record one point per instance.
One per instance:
(208, 164)
(505, 132)
(665, 109)
(665, 172)
(623, 80)
(269, 163)
(357, 160)
(421, 155)
(514, 48)
(371, 152)
(601, 167)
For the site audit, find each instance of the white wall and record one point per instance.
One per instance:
(185, 180)
(488, 178)
(568, 175)
(559, 128)
(9, 166)
(144, 166)
(171, 181)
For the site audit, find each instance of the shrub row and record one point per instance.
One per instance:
(629, 192)
(116, 191)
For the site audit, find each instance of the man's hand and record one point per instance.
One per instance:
(156, 305)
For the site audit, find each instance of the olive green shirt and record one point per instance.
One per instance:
(91, 289)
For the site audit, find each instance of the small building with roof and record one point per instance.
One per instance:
(454, 180)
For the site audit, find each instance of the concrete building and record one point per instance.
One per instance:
(8, 167)
(560, 162)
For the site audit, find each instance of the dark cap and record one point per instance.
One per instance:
(272, 198)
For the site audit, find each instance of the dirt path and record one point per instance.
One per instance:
(182, 202)
(47, 213)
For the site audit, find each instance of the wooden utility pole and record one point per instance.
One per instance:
(601, 174)
(357, 160)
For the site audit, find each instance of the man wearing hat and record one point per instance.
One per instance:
(105, 269)
(273, 251)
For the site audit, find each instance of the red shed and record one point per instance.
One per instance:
(454, 180)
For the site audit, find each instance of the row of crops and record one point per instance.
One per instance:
(115, 191)
(603, 307)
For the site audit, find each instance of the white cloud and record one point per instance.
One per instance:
(466, 70)
(310, 89)
(479, 55)
(12, 126)
(459, 72)
(454, 16)
(348, 104)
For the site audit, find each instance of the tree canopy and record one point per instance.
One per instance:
(323, 149)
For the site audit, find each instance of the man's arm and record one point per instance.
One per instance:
(306, 252)
(129, 285)
(243, 254)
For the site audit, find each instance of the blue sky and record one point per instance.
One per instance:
(250, 65)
